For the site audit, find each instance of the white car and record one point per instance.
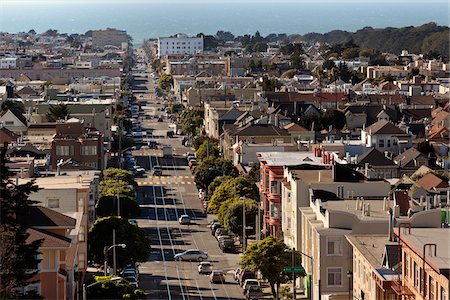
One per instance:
(192, 254)
(205, 267)
(184, 220)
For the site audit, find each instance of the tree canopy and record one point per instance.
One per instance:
(335, 118)
(235, 187)
(136, 240)
(191, 121)
(270, 256)
(119, 174)
(17, 255)
(107, 206)
(58, 112)
(232, 218)
(210, 168)
(209, 148)
(114, 290)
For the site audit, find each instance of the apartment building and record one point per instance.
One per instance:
(324, 225)
(76, 146)
(109, 36)
(425, 263)
(179, 44)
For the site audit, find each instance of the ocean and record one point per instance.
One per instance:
(147, 19)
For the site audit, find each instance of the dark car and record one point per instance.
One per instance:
(227, 246)
(246, 274)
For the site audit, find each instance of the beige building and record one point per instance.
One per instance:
(425, 263)
(196, 96)
(324, 225)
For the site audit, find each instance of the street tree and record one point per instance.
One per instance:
(210, 168)
(18, 254)
(107, 206)
(191, 121)
(335, 118)
(58, 112)
(235, 187)
(112, 187)
(199, 140)
(270, 256)
(208, 149)
(114, 290)
(215, 183)
(118, 174)
(165, 82)
(232, 219)
(138, 244)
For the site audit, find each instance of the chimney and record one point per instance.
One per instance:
(396, 211)
(367, 212)
(363, 209)
(361, 204)
(391, 224)
(357, 203)
(366, 169)
(320, 176)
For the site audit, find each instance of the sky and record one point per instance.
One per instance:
(221, 1)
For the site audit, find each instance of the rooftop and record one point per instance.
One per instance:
(69, 179)
(289, 158)
(421, 236)
(349, 205)
(371, 246)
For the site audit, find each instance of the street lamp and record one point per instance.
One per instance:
(85, 287)
(105, 253)
(294, 296)
(350, 289)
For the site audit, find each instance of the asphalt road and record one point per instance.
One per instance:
(163, 199)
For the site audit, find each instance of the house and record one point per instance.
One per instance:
(385, 136)
(251, 133)
(410, 160)
(7, 136)
(425, 263)
(61, 270)
(375, 164)
(77, 147)
(14, 121)
(298, 133)
(438, 133)
(217, 114)
(359, 115)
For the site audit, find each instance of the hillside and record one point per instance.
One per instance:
(427, 38)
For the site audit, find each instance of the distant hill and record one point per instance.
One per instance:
(426, 39)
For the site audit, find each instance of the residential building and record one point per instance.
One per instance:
(8, 62)
(299, 133)
(179, 44)
(410, 160)
(14, 121)
(76, 146)
(218, 114)
(7, 136)
(374, 164)
(385, 136)
(63, 253)
(425, 267)
(109, 37)
(255, 134)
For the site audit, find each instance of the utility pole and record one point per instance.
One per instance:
(293, 274)
(244, 237)
(114, 253)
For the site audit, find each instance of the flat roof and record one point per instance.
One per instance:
(371, 246)
(349, 205)
(312, 176)
(70, 179)
(289, 158)
(421, 236)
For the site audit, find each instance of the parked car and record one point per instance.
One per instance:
(139, 171)
(152, 144)
(227, 246)
(220, 231)
(192, 254)
(184, 220)
(244, 275)
(214, 227)
(248, 283)
(217, 276)
(205, 267)
(254, 292)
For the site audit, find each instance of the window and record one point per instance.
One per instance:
(64, 150)
(53, 203)
(431, 290)
(9, 122)
(88, 150)
(334, 245)
(275, 210)
(406, 263)
(443, 293)
(334, 276)
(275, 187)
(416, 277)
(389, 143)
(381, 143)
(81, 235)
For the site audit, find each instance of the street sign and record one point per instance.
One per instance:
(296, 269)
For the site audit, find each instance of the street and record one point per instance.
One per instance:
(163, 199)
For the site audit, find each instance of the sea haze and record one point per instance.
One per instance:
(146, 20)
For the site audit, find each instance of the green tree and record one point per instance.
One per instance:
(125, 143)
(107, 206)
(210, 168)
(232, 220)
(118, 174)
(191, 121)
(289, 73)
(426, 148)
(207, 149)
(165, 82)
(328, 65)
(216, 183)
(114, 290)
(112, 187)
(236, 187)
(58, 112)
(270, 256)
(307, 121)
(199, 140)
(269, 84)
(254, 172)
(335, 118)
(17, 255)
(297, 61)
(350, 53)
(16, 106)
(138, 244)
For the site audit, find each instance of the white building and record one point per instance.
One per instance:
(181, 44)
(8, 62)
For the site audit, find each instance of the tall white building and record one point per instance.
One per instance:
(181, 44)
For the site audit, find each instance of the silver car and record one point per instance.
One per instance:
(192, 254)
